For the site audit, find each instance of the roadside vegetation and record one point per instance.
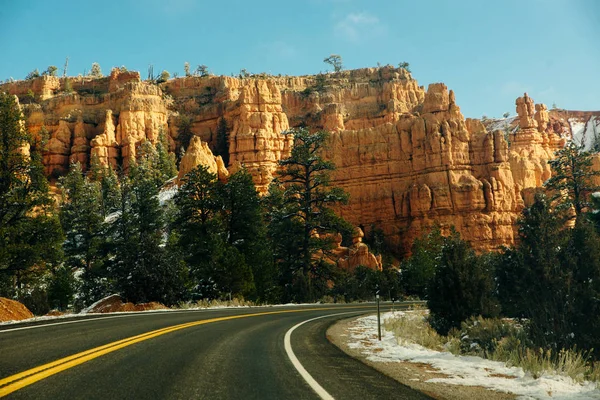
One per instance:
(112, 230)
(535, 305)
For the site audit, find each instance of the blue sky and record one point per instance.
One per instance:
(489, 52)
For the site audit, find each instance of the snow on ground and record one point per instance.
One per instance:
(465, 370)
(167, 194)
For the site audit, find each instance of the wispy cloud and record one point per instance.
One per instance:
(355, 27)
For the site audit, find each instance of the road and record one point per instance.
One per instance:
(206, 354)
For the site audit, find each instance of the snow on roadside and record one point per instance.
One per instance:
(464, 370)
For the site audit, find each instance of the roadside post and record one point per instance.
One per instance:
(378, 315)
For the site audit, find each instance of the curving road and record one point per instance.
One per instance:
(207, 354)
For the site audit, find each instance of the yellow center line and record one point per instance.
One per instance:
(30, 376)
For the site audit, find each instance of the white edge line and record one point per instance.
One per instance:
(134, 314)
(323, 394)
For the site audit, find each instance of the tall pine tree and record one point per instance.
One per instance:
(304, 210)
(30, 233)
(82, 221)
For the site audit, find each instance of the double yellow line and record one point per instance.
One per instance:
(26, 378)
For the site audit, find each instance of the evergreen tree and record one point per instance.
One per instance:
(96, 71)
(198, 229)
(245, 230)
(572, 175)
(184, 131)
(30, 233)
(532, 281)
(419, 269)
(222, 147)
(463, 286)
(165, 161)
(109, 186)
(581, 258)
(301, 212)
(141, 267)
(82, 221)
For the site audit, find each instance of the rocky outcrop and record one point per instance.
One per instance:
(198, 153)
(358, 254)
(406, 155)
(114, 303)
(12, 310)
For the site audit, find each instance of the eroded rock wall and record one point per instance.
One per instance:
(406, 155)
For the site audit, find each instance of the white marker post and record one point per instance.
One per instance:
(378, 316)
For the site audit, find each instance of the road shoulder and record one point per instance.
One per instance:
(412, 374)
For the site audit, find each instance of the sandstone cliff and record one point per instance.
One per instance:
(406, 155)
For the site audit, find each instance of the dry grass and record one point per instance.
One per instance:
(205, 303)
(412, 327)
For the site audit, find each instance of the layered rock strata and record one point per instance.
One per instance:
(406, 155)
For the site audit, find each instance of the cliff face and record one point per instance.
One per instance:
(407, 156)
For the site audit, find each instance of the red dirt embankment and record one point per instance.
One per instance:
(114, 303)
(11, 310)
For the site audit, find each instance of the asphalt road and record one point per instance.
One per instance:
(230, 358)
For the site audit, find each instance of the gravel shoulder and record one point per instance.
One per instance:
(410, 374)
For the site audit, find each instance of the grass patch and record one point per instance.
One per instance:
(205, 303)
(495, 339)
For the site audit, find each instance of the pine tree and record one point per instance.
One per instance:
(198, 229)
(30, 233)
(245, 229)
(532, 281)
(82, 221)
(165, 162)
(572, 177)
(419, 269)
(222, 147)
(462, 286)
(581, 258)
(303, 211)
(140, 266)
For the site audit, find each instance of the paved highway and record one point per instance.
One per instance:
(248, 353)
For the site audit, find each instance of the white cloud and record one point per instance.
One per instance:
(357, 26)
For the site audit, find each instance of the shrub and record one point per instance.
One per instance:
(482, 336)
(462, 286)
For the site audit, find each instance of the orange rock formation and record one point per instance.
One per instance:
(406, 155)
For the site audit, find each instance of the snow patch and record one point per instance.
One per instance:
(500, 124)
(585, 133)
(167, 194)
(464, 370)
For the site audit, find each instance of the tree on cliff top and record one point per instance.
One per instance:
(96, 72)
(335, 60)
(572, 176)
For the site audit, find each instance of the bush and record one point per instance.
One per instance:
(482, 336)
(36, 300)
(462, 286)
(419, 269)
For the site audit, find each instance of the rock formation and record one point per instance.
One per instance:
(406, 155)
(198, 153)
(11, 310)
(348, 258)
(114, 303)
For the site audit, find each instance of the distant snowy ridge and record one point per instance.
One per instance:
(585, 132)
